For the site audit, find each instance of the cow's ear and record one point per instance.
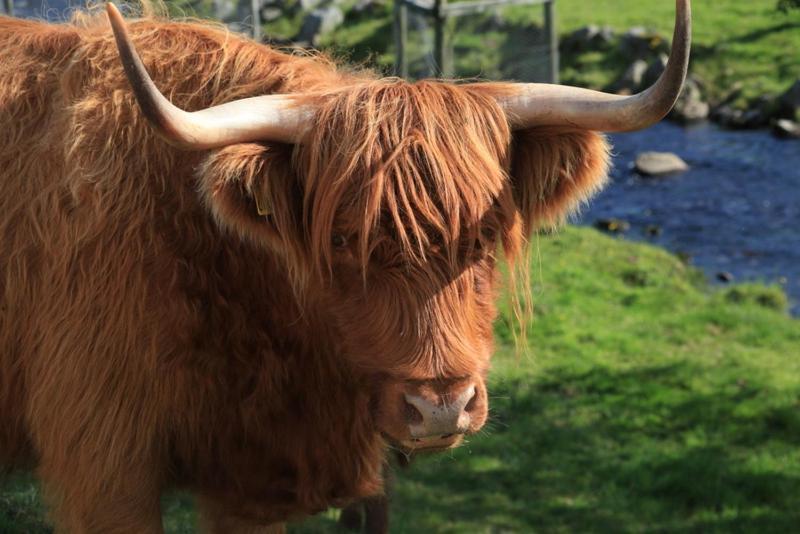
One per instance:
(555, 171)
(250, 189)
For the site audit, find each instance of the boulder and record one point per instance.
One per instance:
(308, 5)
(271, 14)
(640, 43)
(789, 102)
(318, 23)
(614, 226)
(786, 129)
(690, 107)
(757, 115)
(725, 277)
(655, 69)
(368, 6)
(631, 81)
(659, 164)
(591, 37)
(653, 230)
(727, 116)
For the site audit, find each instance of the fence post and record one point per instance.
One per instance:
(255, 6)
(552, 36)
(400, 38)
(441, 50)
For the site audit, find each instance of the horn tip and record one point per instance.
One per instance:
(114, 16)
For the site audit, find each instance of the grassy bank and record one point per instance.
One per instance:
(646, 402)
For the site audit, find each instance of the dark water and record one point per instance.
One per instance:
(736, 211)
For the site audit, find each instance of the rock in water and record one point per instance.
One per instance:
(690, 106)
(786, 129)
(725, 277)
(659, 164)
(789, 102)
(614, 226)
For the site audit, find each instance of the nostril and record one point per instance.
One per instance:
(413, 415)
(472, 402)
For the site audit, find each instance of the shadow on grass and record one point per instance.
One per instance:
(611, 451)
(756, 35)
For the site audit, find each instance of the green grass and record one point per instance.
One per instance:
(645, 402)
(734, 40)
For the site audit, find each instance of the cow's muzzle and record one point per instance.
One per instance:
(435, 414)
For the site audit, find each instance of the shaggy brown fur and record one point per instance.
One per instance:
(152, 336)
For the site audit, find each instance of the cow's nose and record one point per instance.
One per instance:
(439, 415)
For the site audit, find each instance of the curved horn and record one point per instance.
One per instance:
(262, 118)
(556, 105)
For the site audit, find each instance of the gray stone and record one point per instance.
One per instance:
(640, 43)
(659, 164)
(727, 116)
(655, 69)
(786, 129)
(789, 102)
(614, 226)
(631, 81)
(725, 277)
(690, 106)
(758, 115)
(653, 230)
(368, 6)
(318, 23)
(591, 37)
(271, 14)
(308, 5)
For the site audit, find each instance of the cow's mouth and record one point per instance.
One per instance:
(431, 444)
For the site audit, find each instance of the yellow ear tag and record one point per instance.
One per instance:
(263, 204)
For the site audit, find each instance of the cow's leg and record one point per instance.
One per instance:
(99, 452)
(352, 517)
(77, 508)
(376, 515)
(371, 514)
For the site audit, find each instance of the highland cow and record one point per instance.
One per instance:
(253, 299)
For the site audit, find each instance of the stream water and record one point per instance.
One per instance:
(736, 211)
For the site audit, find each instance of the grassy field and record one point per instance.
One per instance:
(646, 402)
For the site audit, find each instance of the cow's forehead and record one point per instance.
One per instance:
(422, 162)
